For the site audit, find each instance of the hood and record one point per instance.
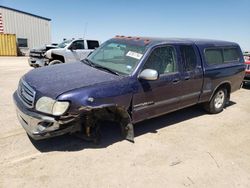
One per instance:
(54, 80)
(48, 47)
(43, 48)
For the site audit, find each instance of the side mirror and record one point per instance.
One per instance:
(72, 47)
(149, 74)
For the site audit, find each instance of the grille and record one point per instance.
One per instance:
(26, 94)
(248, 67)
(39, 55)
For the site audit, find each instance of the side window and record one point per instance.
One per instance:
(78, 45)
(221, 55)
(231, 54)
(213, 56)
(92, 44)
(188, 57)
(162, 59)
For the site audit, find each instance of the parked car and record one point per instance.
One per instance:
(128, 80)
(247, 73)
(65, 52)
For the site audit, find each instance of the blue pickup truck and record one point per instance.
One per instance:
(128, 80)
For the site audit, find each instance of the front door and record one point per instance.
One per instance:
(158, 97)
(76, 51)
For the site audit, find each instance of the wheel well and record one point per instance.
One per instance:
(113, 113)
(227, 86)
(57, 57)
(118, 115)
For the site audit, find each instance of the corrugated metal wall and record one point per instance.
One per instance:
(36, 30)
(8, 45)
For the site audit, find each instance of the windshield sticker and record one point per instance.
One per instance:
(134, 55)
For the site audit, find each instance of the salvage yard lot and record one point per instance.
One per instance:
(187, 148)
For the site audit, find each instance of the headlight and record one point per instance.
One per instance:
(48, 54)
(60, 107)
(45, 104)
(50, 106)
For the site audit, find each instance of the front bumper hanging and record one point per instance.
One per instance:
(39, 126)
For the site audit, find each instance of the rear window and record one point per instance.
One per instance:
(92, 44)
(231, 54)
(217, 56)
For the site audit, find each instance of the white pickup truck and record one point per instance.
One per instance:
(65, 52)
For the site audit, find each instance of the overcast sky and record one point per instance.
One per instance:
(102, 19)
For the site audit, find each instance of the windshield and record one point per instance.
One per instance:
(64, 43)
(118, 56)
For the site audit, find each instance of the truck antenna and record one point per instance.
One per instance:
(85, 30)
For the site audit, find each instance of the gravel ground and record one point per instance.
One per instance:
(187, 148)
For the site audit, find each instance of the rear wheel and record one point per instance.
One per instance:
(54, 62)
(218, 101)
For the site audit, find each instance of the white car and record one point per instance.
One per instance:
(65, 52)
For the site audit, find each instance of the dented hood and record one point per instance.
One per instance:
(54, 80)
(43, 48)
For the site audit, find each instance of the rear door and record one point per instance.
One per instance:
(192, 75)
(160, 96)
(91, 45)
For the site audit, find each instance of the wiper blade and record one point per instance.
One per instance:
(90, 63)
(106, 69)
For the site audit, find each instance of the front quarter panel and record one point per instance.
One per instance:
(113, 93)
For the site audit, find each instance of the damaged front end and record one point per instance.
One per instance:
(85, 124)
(40, 126)
(92, 119)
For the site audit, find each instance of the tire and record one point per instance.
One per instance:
(54, 62)
(218, 101)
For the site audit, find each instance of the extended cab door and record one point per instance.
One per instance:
(160, 96)
(91, 45)
(191, 75)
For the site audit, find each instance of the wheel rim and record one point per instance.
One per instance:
(219, 99)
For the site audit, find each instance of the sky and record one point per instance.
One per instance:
(103, 19)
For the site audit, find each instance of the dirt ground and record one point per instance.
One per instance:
(187, 148)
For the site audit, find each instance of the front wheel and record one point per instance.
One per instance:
(218, 101)
(54, 62)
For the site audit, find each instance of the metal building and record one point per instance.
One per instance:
(31, 30)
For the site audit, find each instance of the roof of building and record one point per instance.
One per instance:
(48, 19)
